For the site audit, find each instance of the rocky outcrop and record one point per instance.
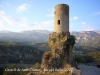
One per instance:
(61, 45)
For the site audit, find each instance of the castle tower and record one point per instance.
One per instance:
(61, 18)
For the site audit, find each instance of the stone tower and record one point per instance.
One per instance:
(60, 41)
(61, 18)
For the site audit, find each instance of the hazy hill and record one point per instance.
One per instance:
(86, 38)
(25, 36)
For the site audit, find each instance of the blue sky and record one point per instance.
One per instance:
(19, 15)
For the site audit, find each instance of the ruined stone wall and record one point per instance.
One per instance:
(61, 18)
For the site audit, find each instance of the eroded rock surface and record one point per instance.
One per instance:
(61, 45)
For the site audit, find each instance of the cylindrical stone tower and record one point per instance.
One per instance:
(61, 18)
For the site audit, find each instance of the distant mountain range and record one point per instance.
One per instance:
(90, 38)
(25, 36)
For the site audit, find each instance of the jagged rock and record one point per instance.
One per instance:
(61, 45)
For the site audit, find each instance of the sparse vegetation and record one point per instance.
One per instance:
(84, 59)
(79, 59)
(62, 43)
(37, 66)
(54, 40)
(59, 36)
(14, 72)
(13, 53)
(95, 56)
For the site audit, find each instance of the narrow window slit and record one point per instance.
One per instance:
(58, 22)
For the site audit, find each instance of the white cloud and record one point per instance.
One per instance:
(6, 18)
(51, 13)
(7, 4)
(89, 29)
(10, 20)
(74, 18)
(45, 25)
(4, 3)
(2, 26)
(22, 8)
(97, 13)
(1, 6)
(83, 23)
(47, 22)
(14, 22)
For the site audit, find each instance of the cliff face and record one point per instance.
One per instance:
(61, 45)
(19, 54)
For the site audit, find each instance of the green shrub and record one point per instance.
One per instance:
(84, 59)
(95, 56)
(71, 40)
(88, 59)
(79, 59)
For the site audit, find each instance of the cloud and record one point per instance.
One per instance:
(97, 13)
(22, 8)
(74, 18)
(8, 19)
(1, 6)
(83, 23)
(12, 21)
(4, 3)
(2, 26)
(7, 4)
(22, 23)
(51, 13)
(47, 22)
(88, 28)
(45, 25)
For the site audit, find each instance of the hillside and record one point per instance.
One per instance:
(17, 53)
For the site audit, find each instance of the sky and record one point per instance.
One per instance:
(21, 15)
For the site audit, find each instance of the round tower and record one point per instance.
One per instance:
(61, 18)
